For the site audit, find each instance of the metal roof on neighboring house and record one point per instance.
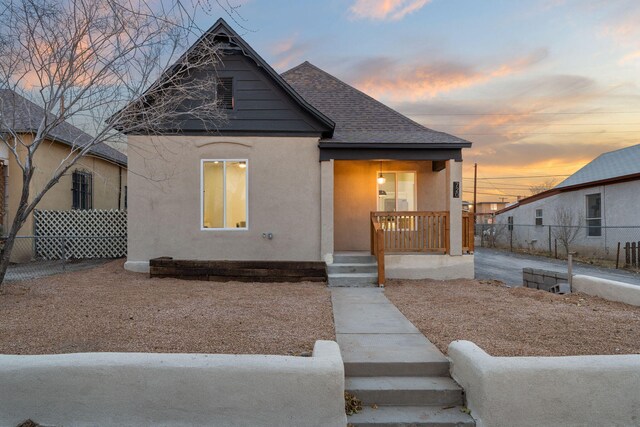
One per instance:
(24, 116)
(613, 164)
(609, 168)
(359, 118)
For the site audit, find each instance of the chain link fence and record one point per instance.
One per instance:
(38, 256)
(617, 247)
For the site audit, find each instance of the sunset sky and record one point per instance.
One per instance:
(539, 87)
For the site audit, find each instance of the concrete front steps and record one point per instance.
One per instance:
(353, 270)
(406, 400)
(401, 378)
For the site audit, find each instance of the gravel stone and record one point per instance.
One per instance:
(108, 309)
(516, 321)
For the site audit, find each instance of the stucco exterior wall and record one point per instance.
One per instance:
(620, 203)
(164, 199)
(547, 391)
(138, 389)
(608, 289)
(109, 181)
(355, 197)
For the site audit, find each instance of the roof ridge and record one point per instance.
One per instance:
(360, 93)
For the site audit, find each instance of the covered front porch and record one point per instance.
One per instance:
(406, 213)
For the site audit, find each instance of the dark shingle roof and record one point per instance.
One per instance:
(359, 118)
(23, 115)
(613, 164)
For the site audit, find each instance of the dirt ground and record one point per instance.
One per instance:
(110, 309)
(516, 321)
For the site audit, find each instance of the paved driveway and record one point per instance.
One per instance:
(507, 267)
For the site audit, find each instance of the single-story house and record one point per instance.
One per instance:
(97, 181)
(485, 211)
(303, 170)
(598, 204)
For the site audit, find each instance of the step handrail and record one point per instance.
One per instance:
(377, 248)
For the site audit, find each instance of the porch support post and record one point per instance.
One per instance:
(326, 211)
(454, 206)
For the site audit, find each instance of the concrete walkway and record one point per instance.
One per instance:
(371, 330)
(400, 376)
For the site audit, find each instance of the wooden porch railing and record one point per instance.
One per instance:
(468, 243)
(414, 231)
(400, 232)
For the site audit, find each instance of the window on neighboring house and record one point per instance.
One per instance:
(82, 190)
(510, 222)
(538, 216)
(594, 215)
(224, 92)
(224, 194)
(494, 206)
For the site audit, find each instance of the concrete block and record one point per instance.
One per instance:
(549, 280)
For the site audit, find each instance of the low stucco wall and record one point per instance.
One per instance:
(547, 391)
(607, 289)
(437, 267)
(174, 389)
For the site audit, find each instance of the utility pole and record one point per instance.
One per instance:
(475, 184)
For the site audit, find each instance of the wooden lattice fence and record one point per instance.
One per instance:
(80, 234)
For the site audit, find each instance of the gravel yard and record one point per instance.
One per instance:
(110, 309)
(516, 321)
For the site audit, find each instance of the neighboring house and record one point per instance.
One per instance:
(295, 174)
(484, 211)
(97, 181)
(603, 198)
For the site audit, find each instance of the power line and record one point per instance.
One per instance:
(521, 114)
(552, 133)
(492, 194)
(519, 177)
(541, 123)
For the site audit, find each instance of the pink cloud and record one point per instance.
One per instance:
(385, 78)
(378, 10)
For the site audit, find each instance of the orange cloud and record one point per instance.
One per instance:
(630, 57)
(386, 79)
(289, 52)
(393, 10)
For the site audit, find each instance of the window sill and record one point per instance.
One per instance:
(224, 229)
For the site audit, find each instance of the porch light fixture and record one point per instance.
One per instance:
(381, 178)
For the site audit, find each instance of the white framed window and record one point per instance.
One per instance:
(594, 215)
(224, 191)
(538, 216)
(494, 206)
(398, 191)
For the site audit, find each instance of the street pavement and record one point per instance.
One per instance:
(507, 267)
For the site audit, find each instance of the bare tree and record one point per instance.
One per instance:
(567, 225)
(548, 184)
(95, 62)
(492, 234)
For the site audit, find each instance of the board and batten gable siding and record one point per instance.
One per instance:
(260, 105)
